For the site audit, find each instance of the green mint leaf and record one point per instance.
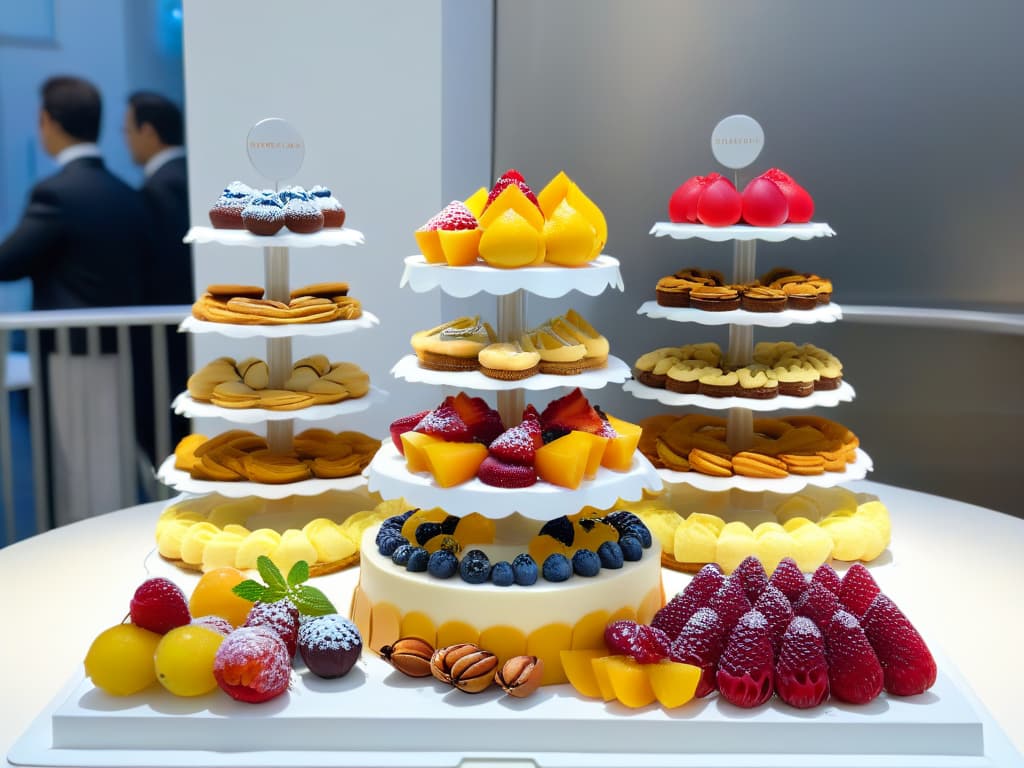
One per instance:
(311, 601)
(299, 573)
(270, 573)
(273, 594)
(249, 590)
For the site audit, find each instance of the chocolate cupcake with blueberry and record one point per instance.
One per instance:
(226, 213)
(334, 214)
(300, 214)
(264, 214)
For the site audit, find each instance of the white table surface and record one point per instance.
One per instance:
(955, 569)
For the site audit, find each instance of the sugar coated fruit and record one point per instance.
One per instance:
(280, 616)
(213, 596)
(184, 660)
(252, 665)
(120, 659)
(330, 645)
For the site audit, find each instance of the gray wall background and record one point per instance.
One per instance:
(903, 119)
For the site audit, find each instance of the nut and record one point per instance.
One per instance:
(474, 672)
(520, 676)
(409, 655)
(444, 658)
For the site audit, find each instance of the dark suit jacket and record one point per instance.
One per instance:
(82, 240)
(168, 278)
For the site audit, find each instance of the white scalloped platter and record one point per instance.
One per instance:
(283, 239)
(408, 368)
(777, 234)
(334, 328)
(183, 482)
(184, 405)
(549, 281)
(542, 501)
(823, 313)
(790, 484)
(826, 398)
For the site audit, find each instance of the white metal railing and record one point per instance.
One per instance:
(937, 317)
(61, 323)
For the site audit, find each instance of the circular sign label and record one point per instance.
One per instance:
(737, 141)
(276, 149)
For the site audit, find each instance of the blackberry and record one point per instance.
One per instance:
(418, 559)
(552, 433)
(449, 524)
(401, 555)
(620, 519)
(502, 574)
(632, 549)
(387, 544)
(426, 531)
(610, 554)
(586, 563)
(560, 529)
(524, 568)
(475, 568)
(443, 564)
(557, 567)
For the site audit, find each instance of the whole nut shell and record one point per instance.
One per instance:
(444, 658)
(520, 676)
(474, 672)
(409, 655)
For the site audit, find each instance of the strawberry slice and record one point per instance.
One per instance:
(503, 474)
(509, 178)
(444, 422)
(854, 672)
(700, 642)
(571, 412)
(751, 574)
(858, 590)
(788, 578)
(405, 424)
(518, 444)
(777, 611)
(698, 593)
(818, 604)
(801, 671)
(907, 663)
(455, 216)
(483, 421)
(828, 578)
(730, 602)
(644, 643)
(745, 676)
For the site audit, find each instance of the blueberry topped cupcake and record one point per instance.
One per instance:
(226, 213)
(334, 214)
(264, 214)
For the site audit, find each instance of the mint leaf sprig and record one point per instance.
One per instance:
(309, 600)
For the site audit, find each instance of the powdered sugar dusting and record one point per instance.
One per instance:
(261, 645)
(329, 633)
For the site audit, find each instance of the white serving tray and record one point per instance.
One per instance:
(408, 369)
(858, 470)
(183, 483)
(541, 501)
(777, 234)
(334, 328)
(823, 313)
(184, 405)
(548, 280)
(283, 239)
(826, 398)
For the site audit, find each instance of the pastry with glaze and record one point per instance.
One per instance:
(508, 361)
(453, 346)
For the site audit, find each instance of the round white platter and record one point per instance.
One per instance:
(547, 280)
(858, 470)
(185, 406)
(823, 313)
(825, 398)
(184, 483)
(283, 239)
(287, 331)
(408, 368)
(777, 234)
(541, 501)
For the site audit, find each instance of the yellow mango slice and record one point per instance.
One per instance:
(554, 192)
(454, 463)
(512, 199)
(629, 681)
(673, 683)
(460, 247)
(579, 669)
(588, 633)
(413, 444)
(385, 626)
(452, 632)
(546, 643)
(262, 541)
(435, 515)
(574, 196)
(564, 461)
(504, 642)
(430, 245)
(604, 681)
(568, 237)
(477, 201)
(618, 456)
(511, 241)
(596, 445)
(418, 624)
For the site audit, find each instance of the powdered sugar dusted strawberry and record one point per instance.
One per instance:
(818, 604)
(216, 623)
(858, 590)
(801, 671)
(280, 616)
(455, 216)
(777, 611)
(700, 642)
(674, 615)
(745, 674)
(730, 602)
(572, 412)
(788, 578)
(405, 424)
(159, 605)
(751, 574)
(511, 177)
(444, 422)
(483, 421)
(502, 474)
(646, 644)
(826, 576)
(908, 665)
(854, 672)
(253, 665)
(518, 444)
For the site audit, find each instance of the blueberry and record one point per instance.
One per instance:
(560, 529)
(610, 554)
(586, 563)
(502, 574)
(620, 519)
(557, 567)
(418, 559)
(443, 564)
(449, 524)
(525, 569)
(640, 532)
(549, 435)
(389, 543)
(426, 531)
(475, 568)
(631, 548)
(401, 555)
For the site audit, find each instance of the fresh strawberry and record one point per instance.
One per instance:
(502, 474)
(444, 422)
(644, 643)
(730, 602)
(751, 574)
(405, 424)
(788, 578)
(801, 671)
(159, 605)
(858, 590)
(720, 205)
(281, 616)
(906, 661)
(828, 578)
(518, 444)
(455, 216)
(509, 178)
(700, 642)
(483, 421)
(818, 604)
(745, 676)
(513, 174)
(698, 593)
(854, 673)
(572, 412)
(798, 199)
(530, 412)
(682, 206)
(777, 611)
(764, 205)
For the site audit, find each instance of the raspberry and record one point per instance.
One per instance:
(253, 665)
(280, 616)
(700, 642)
(697, 594)
(730, 602)
(854, 672)
(518, 444)
(444, 422)
(777, 611)
(501, 474)
(509, 178)
(745, 675)
(818, 604)
(645, 644)
(828, 578)
(751, 574)
(801, 672)
(159, 605)
(788, 578)
(858, 590)
(455, 216)
(908, 665)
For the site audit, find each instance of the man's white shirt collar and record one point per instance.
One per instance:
(76, 152)
(160, 159)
